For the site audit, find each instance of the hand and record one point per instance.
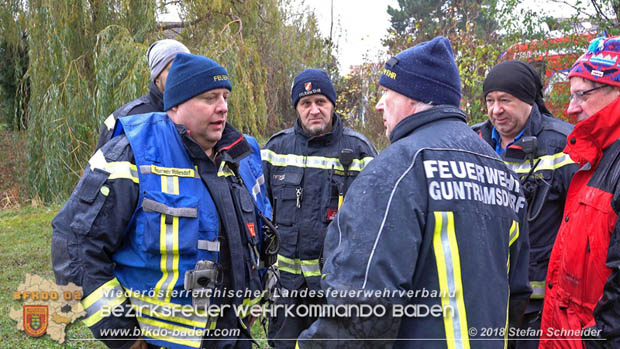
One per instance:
(139, 344)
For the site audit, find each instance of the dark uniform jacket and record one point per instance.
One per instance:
(304, 176)
(545, 191)
(432, 236)
(97, 226)
(149, 103)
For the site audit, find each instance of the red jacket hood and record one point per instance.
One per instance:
(590, 136)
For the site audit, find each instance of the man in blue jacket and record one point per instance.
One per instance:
(162, 231)
(430, 247)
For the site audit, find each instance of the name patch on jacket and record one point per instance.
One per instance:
(463, 180)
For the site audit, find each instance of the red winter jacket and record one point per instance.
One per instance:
(578, 278)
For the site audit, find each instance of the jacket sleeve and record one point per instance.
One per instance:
(360, 248)
(607, 311)
(520, 290)
(89, 229)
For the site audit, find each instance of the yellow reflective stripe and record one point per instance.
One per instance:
(122, 169)
(190, 316)
(150, 329)
(99, 292)
(107, 296)
(109, 122)
(538, 289)
(449, 274)
(359, 164)
(514, 232)
(289, 265)
(310, 267)
(168, 244)
(319, 162)
(116, 169)
(547, 162)
(96, 317)
(307, 267)
(224, 170)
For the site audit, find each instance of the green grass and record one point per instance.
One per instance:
(26, 234)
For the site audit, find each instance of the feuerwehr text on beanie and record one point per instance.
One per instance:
(191, 75)
(312, 81)
(600, 62)
(161, 52)
(425, 72)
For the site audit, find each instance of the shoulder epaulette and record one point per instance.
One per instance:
(280, 133)
(557, 125)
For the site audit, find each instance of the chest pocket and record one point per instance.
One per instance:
(287, 193)
(587, 243)
(167, 215)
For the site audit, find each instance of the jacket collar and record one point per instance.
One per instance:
(591, 136)
(156, 96)
(414, 121)
(232, 147)
(326, 138)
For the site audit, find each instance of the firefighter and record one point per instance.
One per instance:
(159, 55)
(582, 297)
(164, 222)
(308, 169)
(518, 122)
(432, 238)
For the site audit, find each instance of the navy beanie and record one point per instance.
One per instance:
(312, 81)
(191, 75)
(425, 72)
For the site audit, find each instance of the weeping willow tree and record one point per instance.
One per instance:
(82, 67)
(87, 58)
(263, 44)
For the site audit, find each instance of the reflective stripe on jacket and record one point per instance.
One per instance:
(433, 231)
(549, 182)
(304, 178)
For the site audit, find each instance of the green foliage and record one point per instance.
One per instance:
(81, 69)
(14, 89)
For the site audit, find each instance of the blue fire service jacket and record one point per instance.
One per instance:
(149, 206)
(431, 239)
(304, 180)
(545, 190)
(149, 103)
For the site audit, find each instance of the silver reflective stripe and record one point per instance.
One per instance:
(169, 312)
(213, 246)
(170, 333)
(547, 162)
(256, 188)
(169, 262)
(153, 206)
(445, 244)
(311, 161)
(311, 270)
(110, 297)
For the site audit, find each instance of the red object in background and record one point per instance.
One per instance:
(553, 58)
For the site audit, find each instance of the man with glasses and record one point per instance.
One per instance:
(583, 281)
(518, 121)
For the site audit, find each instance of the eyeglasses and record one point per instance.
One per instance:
(578, 96)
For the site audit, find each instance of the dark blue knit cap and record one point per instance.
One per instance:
(425, 72)
(312, 81)
(191, 75)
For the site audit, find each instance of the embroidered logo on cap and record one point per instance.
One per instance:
(308, 86)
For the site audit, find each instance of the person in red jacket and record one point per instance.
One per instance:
(582, 301)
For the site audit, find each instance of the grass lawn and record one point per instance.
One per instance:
(26, 235)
